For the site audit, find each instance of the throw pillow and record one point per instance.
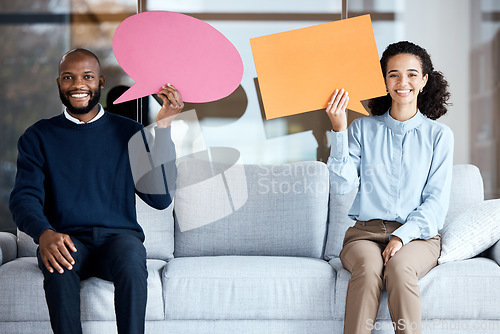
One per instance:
(468, 232)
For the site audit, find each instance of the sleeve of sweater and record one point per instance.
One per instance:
(153, 166)
(27, 198)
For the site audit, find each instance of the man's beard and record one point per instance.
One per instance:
(96, 96)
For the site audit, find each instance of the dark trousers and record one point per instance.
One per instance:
(114, 255)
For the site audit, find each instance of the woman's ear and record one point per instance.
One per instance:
(424, 79)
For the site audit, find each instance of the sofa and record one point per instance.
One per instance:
(254, 249)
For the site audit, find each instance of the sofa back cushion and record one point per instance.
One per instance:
(233, 209)
(158, 226)
(338, 222)
(466, 190)
(466, 187)
(26, 247)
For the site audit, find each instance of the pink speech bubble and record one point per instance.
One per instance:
(158, 47)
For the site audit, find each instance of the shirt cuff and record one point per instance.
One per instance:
(340, 148)
(37, 228)
(407, 232)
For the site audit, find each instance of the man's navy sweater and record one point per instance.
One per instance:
(75, 176)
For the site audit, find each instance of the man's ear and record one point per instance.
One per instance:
(57, 80)
(102, 81)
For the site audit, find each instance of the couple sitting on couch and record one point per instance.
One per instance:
(74, 192)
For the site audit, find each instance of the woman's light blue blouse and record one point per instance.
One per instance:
(403, 171)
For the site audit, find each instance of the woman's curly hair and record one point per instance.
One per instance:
(432, 102)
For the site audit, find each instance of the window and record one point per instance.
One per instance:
(37, 32)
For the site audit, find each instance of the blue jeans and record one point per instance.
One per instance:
(115, 255)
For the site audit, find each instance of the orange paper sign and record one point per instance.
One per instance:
(298, 70)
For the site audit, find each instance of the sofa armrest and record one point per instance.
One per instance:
(8, 247)
(494, 252)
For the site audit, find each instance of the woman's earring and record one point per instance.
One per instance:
(421, 90)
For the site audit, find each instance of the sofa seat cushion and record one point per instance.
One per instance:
(21, 291)
(23, 297)
(465, 289)
(248, 287)
(462, 290)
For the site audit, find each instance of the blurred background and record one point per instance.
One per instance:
(462, 37)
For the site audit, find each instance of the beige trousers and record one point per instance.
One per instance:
(362, 256)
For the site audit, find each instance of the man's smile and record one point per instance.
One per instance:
(79, 95)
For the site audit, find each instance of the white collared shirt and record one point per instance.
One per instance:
(77, 121)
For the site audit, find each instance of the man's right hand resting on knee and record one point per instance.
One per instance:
(54, 250)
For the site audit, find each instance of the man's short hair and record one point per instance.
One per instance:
(84, 51)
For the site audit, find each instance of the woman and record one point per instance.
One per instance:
(400, 160)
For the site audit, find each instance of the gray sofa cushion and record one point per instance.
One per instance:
(277, 210)
(241, 326)
(158, 226)
(248, 287)
(456, 290)
(26, 247)
(97, 296)
(471, 232)
(23, 298)
(494, 252)
(21, 288)
(8, 247)
(466, 187)
(338, 222)
(462, 290)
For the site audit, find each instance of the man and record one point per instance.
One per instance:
(75, 195)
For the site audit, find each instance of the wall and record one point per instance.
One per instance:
(443, 28)
(485, 93)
